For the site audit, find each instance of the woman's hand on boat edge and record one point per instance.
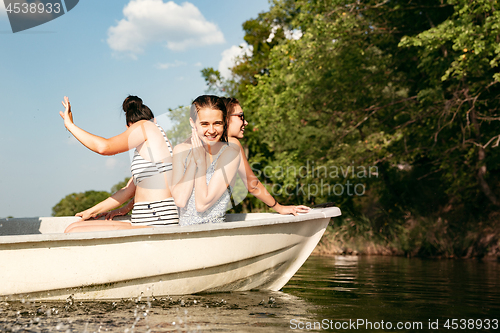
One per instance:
(89, 215)
(295, 210)
(86, 214)
(108, 216)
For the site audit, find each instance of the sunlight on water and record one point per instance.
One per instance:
(398, 289)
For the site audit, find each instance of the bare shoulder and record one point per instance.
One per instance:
(234, 141)
(233, 147)
(152, 129)
(182, 148)
(149, 124)
(230, 153)
(137, 124)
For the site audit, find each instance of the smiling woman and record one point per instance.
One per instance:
(205, 165)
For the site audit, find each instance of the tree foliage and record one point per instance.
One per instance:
(77, 202)
(181, 129)
(120, 185)
(409, 88)
(459, 100)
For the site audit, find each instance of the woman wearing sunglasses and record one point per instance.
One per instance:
(236, 131)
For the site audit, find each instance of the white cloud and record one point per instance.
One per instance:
(178, 27)
(289, 34)
(198, 64)
(231, 56)
(111, 162)
(293, 34)
(272, 34)
(177, 63)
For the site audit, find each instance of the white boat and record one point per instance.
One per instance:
(250, 251)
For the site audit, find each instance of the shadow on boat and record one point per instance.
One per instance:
(249, 251)
(20, 226)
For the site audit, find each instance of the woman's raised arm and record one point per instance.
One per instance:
(125, 141)
(183, 174)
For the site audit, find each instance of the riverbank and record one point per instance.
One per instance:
(415, 238)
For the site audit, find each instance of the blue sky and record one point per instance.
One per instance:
(97, 54)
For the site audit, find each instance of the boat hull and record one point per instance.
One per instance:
(255, 251)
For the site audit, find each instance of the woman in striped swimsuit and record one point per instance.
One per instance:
(204, 167)
(236, 124)
(151, 170)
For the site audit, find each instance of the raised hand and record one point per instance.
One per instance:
(67, 115)
(198, 150)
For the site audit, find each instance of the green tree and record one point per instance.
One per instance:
(410, 88)
(120, 185)
(181, 129)
(77, 202)
(338, 86)
(459, 101)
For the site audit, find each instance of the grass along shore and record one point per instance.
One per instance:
(415, 237)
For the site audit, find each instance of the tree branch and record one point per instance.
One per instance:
(374, 110)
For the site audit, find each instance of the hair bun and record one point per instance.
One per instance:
(135, 110)
(132, 103)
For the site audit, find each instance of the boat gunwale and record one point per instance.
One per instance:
(270, 219)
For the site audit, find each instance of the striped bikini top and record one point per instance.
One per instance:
(142, 169)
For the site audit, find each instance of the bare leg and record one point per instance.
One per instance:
(100, 225)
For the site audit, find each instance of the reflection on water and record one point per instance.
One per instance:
(395, 289)
(338, 289)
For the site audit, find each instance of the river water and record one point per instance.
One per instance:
(340, 294)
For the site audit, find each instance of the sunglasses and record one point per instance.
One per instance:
(241, 115)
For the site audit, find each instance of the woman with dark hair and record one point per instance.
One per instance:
(151, 170)
(235, 123)
(205, 165)
(236, 129)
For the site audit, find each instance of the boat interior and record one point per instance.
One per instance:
(57, 225)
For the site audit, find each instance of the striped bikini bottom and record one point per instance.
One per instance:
(163, 212)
